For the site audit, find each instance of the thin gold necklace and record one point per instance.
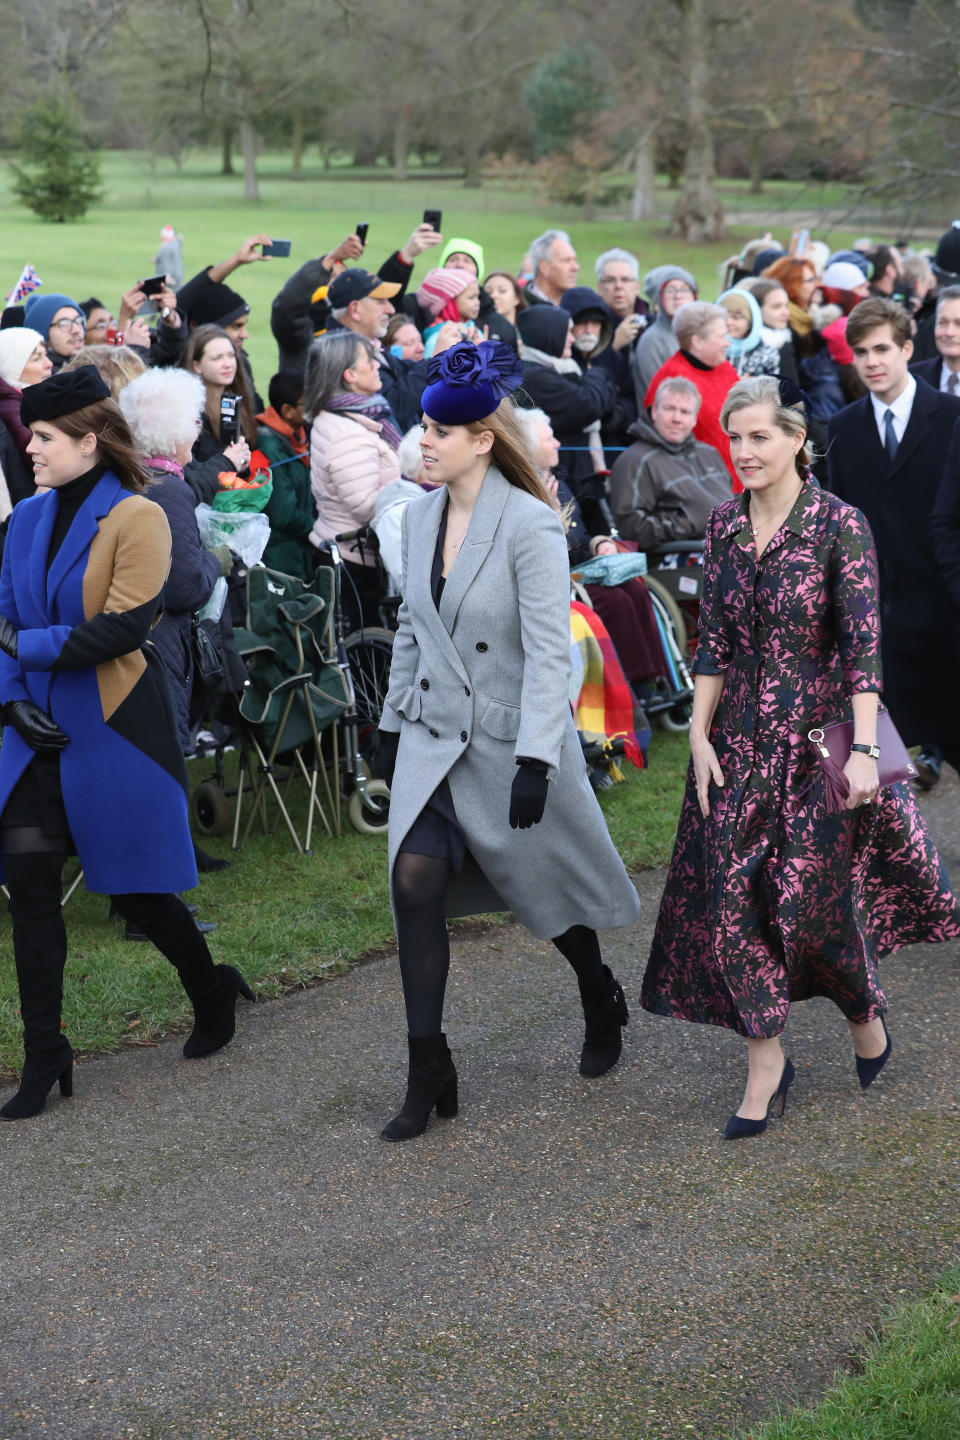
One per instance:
(755, 529)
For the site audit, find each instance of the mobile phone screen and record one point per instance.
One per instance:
(361, 231)
(433, 217)
(276, 247)
(154, 285)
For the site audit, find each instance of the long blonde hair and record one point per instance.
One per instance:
(511, 450)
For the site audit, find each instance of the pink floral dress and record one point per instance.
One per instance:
(772, 899)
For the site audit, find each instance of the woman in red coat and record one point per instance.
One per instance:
(702, 334)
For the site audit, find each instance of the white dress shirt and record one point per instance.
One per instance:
(901, 408)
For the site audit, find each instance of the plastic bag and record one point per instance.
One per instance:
(247, 496)
(213, 609)
(246, 535)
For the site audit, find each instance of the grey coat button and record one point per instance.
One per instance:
(481, 645)
(424, 684)
(435, 734)
(466, 689)
(463, 735)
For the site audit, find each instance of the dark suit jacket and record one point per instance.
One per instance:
(898, 499)
(945, 528)
(928, 370)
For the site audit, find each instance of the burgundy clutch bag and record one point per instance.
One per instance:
(833, 745)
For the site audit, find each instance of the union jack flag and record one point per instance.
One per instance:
(28, 282)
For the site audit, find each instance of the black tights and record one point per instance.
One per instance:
(419, 883)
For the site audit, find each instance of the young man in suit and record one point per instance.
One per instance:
(943, 371)
(887, 453)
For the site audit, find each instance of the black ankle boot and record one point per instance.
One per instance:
(603, 1039)
(40, 1073)
(214, 1007)
(431, 1081)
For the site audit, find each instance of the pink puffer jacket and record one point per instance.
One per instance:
(350, 463)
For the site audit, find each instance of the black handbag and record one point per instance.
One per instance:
(209, 676)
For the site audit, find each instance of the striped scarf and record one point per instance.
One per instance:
(375, 408)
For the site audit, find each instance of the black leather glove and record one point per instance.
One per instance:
(388, 742)
(34, 725)
(8, 637)
(529, 794)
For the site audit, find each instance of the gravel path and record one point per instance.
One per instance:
(224, 1250)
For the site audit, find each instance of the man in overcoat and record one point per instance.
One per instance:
(887, 454)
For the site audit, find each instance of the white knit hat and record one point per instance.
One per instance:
(17, 344)
(843, 275)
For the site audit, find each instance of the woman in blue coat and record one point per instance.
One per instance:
(90, 759)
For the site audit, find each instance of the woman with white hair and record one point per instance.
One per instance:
(23, 361)
(163, 409)
(702, 335)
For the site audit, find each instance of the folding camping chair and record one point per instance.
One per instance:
(295, 691)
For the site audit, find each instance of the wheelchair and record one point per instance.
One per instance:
(674, 581)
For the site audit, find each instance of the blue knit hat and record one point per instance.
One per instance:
(467, 382)
(39, 311)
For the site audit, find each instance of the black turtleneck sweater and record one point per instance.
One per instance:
(71, 496)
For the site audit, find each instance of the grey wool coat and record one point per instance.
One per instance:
(483, 681)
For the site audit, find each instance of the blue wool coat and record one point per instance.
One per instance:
(83, 658)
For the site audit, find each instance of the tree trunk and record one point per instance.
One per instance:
(698, 214)
(472, 179)
(226, 161)
(401, 131)
(756, 162)
(251, 185)
(296, 162)
(365, 153)
(643, 205)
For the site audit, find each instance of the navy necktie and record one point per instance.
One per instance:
(890, 440)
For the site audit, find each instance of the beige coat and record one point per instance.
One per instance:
(350, 463)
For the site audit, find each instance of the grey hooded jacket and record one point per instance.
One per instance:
(661, 492)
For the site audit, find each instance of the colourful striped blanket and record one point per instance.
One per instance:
(604, 705)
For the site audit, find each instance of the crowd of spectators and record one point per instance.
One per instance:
(627, 377)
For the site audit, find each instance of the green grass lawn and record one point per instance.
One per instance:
(909, 1387)
(112, 247)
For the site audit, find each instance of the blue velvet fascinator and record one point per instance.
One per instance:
(467, 382)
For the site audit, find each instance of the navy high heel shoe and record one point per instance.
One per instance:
(868, 1070)
(737, 1126)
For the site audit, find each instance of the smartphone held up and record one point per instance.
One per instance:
(230, 408)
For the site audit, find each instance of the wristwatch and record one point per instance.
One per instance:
(872, 750)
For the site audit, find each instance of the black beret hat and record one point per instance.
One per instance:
(63, 393)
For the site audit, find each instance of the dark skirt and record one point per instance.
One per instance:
(37, 801)
(436, 831)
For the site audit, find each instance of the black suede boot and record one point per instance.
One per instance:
(40, 952)
(214, 1010)
(213, 989)
(431, 1081)
(603, 1039)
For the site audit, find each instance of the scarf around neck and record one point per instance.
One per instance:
(375, 408)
